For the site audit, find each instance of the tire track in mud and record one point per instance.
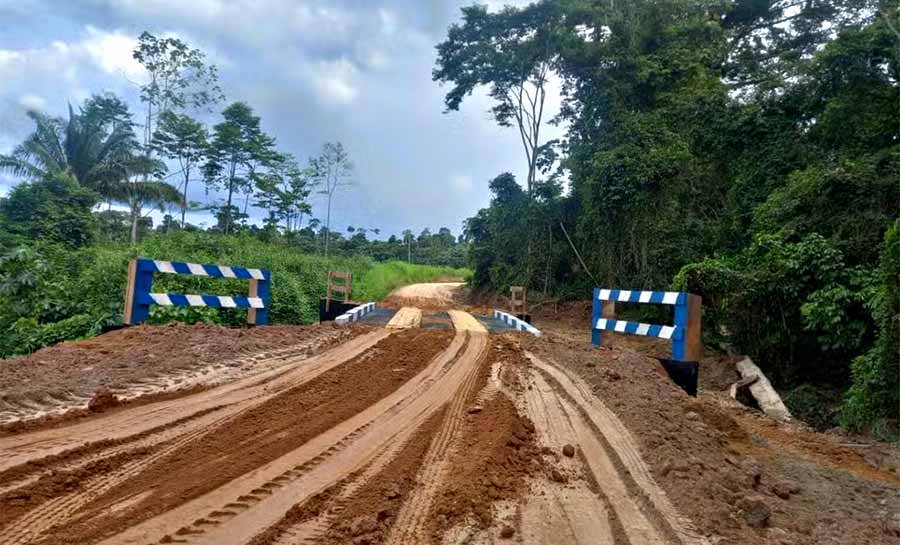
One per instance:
(17, 450)
(61, 508)
(410, 525)
(249, 458)
(569, 411)
(249, 505)
(169, 436)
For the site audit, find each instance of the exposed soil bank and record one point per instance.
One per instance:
(145, 361)
(742, 478)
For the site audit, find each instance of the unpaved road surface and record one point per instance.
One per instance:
(399, 435)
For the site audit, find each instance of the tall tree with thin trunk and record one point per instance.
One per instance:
(512, 52)
(237, 149)
(331, 171)
(179, 137)
(178, 77)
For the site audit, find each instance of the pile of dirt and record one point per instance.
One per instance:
(714, 460)
(498, 452)
(69, 374)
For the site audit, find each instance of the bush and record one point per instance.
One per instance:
(874, 398)
(795, 307)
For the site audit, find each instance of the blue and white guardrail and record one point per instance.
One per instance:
(355, 314)
(139, 297)
(516, 323)
(684, 333)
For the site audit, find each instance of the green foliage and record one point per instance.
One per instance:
(54, 209)
(795, 307)
(746, 149)
(874, 398)
(50, 292)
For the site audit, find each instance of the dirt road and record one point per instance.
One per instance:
(392, 435)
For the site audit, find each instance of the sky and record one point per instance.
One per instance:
(356, 71)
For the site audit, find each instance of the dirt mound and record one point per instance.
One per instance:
(144, 360)
(103, 399)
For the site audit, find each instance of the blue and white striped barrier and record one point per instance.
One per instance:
(355, 313)
(684, 334)
(516, 323)
(138, 296)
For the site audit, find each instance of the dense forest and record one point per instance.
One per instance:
(87, 185)
(744, 150)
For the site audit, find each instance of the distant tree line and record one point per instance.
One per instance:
(747, 151)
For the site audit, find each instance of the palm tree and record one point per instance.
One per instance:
(83, 147)
(138, 185)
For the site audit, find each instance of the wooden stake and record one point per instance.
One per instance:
(129, 291)
(254, 292)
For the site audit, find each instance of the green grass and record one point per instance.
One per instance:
(383, 278)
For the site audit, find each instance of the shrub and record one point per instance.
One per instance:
(874, 398)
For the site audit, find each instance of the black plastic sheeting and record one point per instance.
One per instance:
(686, 374)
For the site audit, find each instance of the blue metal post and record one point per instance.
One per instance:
(595, 315)
(143, 284)
(264, 292)
(681, 321)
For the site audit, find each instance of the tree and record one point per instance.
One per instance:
(181, 138)
(54, 208)
(140, 186)
(84, 147)
(237, 149)
(408, 239)
(331, 171)
(513, 52)
(178, 77)
(283, 191)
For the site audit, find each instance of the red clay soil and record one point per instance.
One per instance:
(741, 478)
(370, 514)
(127, 356)
(497, 454)
(258, 435)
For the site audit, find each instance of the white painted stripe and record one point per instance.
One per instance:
(604, 295)
(601, 323)
(620, 326)
(161, 299)
(642, 329)
(197, 269)
(227, 272)
(666, 332)
(645, 296)
(195, 300)
(227, 302)
(342, 319)
(670, 298)
(624, 295)
(256, 273)
(164, 266)
(256, 302)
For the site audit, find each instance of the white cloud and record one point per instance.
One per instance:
(31, 101)
(334, 81)
(112, 51)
